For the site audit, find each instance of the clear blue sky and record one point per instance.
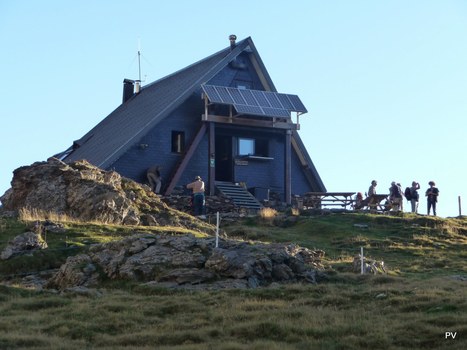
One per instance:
(385, 82)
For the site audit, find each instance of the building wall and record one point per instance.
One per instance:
(155, 148)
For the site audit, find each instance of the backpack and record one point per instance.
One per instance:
(408, 193)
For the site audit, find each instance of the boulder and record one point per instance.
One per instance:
(86, 193)
(24, 243)
(188, 261)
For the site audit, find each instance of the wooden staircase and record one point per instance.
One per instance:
(239, 195)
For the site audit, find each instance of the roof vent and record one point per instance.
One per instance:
(232, 38)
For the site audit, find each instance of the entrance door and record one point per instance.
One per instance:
(224, 163)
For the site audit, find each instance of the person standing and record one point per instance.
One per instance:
(414, 196)
(395, 196)
(372, 189)
(154, 177)
(197, 187)
(432, 197)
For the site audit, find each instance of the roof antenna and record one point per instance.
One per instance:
(139, 59)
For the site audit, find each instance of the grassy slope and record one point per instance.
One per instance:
(412, 307)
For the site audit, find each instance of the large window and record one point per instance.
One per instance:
(253, 147)
(178, 141)
(246, 147)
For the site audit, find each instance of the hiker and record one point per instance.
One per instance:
(432, 197)
(395, 196)
(372, 189)
(358, 201)
(154, 177)
(414, 196)
(198, 200)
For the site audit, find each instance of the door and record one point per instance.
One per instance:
(224, 162)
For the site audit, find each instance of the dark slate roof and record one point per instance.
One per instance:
(127, 124)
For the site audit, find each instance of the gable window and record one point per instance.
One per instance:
(178, 141)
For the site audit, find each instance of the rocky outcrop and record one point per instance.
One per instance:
(84, 192)
(23, 244)
(190, 262)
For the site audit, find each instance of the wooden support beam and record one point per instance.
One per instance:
(212, 158)
(250, 122)
(186, 158)
(288, 167)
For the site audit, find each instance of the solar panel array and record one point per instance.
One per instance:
(255, 102)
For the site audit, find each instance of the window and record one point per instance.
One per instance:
(253, 147)
(246, 147)
(178, 141)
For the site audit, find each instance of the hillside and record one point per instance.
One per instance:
(421, 297)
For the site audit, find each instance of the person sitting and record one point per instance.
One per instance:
(358, 201)
(154, 177)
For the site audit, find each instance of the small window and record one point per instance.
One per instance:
(178, 141)
(246, 147)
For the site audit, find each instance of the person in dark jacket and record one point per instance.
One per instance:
(432, 197)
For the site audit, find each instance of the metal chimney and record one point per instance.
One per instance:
(232, 38)
(128, 89)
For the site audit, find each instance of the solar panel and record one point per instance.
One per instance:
(286, 104)
(260, 98)
(276, 112)
(237, 96)
(298, 105)
(272, 99)
(249, 109)
(256, 102)
(249, 98)
(212, 93)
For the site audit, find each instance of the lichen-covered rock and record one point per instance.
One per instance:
(87, 193)
(188, 261)
(24, 243)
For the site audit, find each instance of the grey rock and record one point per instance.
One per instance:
(22, 244)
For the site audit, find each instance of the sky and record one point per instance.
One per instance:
(384, 82)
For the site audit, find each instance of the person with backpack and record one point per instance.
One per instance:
(413, 196)
(395, 196)
(432, 197)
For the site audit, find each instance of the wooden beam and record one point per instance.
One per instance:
(212, 158)
(250, 122)
(288, 167)
(186, 158)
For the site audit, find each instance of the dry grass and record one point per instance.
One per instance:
(410, 311)
(267, 213)
(347, 313)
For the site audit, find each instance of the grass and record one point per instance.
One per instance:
(410, 308)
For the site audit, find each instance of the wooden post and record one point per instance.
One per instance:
(212, 158)
(217, 229)
(362, 271)
(288, 167)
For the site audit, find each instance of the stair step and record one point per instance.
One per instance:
(239, 195)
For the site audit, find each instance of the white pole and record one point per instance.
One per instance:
(361, 257)
(460, 207)
(217, 231)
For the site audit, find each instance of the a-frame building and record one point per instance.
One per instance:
(221, 118)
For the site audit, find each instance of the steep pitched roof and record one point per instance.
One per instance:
(127, 124)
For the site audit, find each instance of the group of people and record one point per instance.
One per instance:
(396, 195)
(154, 177)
